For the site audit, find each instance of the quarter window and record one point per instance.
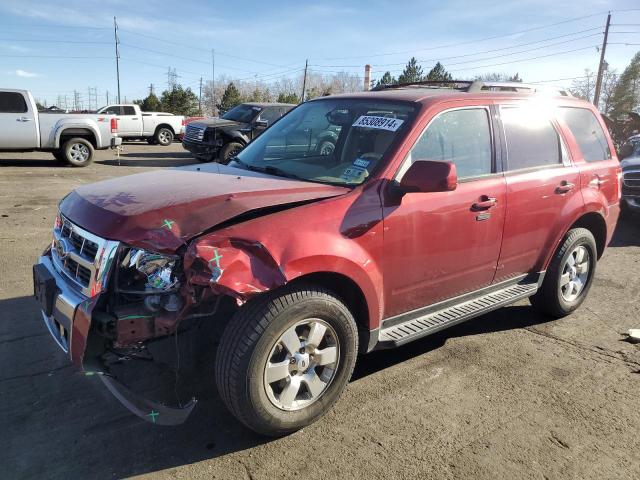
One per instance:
(532, 141)
(459, 136)
(129, 111)
(588, 133)
(12, 102)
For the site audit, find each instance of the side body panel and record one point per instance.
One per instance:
(19, 130)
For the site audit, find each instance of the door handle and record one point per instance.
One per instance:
(23, 119)
(484, 204)
(134, 118)
(564, 187)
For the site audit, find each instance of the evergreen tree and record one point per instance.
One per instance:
(179, 101)
(626, 95)
(288, 98)
(386, 79)
(412, 72)
(230, 98)
(438, 73)
(150, 104)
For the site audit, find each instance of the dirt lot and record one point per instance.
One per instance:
(509, 395)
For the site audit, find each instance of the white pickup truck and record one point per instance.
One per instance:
(72, 138)
(155, 127)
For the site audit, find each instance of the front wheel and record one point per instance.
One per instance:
(164, 137)
(229, 151)
(569, 276)
(285, 358)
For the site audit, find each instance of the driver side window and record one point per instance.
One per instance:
(460, 136)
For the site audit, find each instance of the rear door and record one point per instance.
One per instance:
(18, 126)
(599, 177)
(442, 244)
(129, 122)
(542, 184)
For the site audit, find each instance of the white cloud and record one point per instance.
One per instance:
(24, 73)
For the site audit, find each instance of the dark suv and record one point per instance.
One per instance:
(222, 138)
(433, 207)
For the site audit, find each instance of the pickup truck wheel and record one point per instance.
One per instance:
(569, 276)
(285, 358)
(59, 156)
(78, 152)
(229, 151)
(164, 137)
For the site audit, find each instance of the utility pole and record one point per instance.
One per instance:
(213, 82)
(200, 98)
(304, 80)
(107, 93)
(76, 99)
(601, 67)
(115, 33)
(151, 89)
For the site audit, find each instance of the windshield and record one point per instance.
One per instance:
(336, 141)
(242, 113)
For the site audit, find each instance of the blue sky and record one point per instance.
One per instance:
(264, 40)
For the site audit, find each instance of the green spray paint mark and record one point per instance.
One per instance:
(134, 317)
(216, 258)
(88, 374)
(153, 415)
(168, 223)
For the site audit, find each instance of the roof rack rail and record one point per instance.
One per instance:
(478, 86)
(462, 85)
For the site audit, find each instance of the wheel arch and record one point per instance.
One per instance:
(164, 125)
(596, 224)
(75, 132)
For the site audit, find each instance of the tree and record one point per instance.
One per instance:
(149, 104)
(438, 73)
(609, 84)
(230, 98)
(584, 87)
(498, 77)
(386, 79)
(179, 101)
(626, 95)
(411, 73)
(288, 98)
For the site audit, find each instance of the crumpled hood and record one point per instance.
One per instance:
(216, 123)
(161, 210)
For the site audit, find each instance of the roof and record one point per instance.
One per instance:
(268, 104)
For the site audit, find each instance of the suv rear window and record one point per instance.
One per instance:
(588, 133)
(12, 102)
(532, 141)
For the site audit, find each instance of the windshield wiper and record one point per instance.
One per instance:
(269, 169)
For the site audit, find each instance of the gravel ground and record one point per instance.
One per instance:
(509, 395)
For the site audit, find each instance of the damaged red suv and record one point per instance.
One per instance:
(434, 206)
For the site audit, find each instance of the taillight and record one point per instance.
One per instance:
(184, 122)
(114, 125)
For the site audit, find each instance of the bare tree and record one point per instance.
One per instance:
(584, 87)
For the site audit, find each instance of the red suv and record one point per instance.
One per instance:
(436, 205)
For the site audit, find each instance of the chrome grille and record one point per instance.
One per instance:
(631, 179)
(81, 256)
(194, 133)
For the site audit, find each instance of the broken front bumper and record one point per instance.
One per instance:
(67, 315)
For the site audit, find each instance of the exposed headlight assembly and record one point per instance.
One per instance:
(141, 271)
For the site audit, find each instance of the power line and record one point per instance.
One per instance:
(49, 40)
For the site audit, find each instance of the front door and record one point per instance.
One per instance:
(19, 127)
(441, 245)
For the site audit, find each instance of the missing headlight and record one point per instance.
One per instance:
(141, 271)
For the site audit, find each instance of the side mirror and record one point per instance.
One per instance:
(429, 176)
(261, 123)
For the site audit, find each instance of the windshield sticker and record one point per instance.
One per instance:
(381, 123)
(354, 173)
(361, 162)
(257, 108)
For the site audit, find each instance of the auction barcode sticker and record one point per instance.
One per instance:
(382, 123)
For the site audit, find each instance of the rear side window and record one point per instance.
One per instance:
(12, 102)
(113, 110)
(532, 141)
(459, 136)
(588, 133)
(270, 115)
(129, 111)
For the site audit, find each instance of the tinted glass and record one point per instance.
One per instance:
(11, 102)
(532, 141)
(333, 140)
(459, 136)
(242, 113)
(113, 111)
(129, 111)
(588, 133)
(270, 115)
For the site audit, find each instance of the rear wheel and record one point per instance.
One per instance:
(285, 358)
(164, 137)
(77, 152)
(569, 276)
(229, 151)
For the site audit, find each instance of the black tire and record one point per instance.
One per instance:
(326, 148)
(59, 156)
(151, 141)
(163, 137)
(549, 298)
(230, 150)
(246, 346)
(77, 152)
